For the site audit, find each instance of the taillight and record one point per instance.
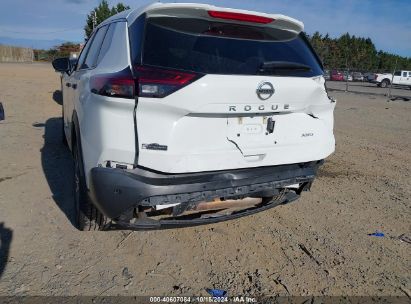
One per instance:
(149, 82)
(240, 17)
(120, 84)
(375, 76)
(158, 83)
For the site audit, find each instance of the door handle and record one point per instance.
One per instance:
(68, 84)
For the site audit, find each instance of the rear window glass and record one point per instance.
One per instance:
(223, 48)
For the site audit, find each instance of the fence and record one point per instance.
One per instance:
(15, 54)
(362, 82)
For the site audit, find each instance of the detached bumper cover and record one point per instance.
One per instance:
(116, 191)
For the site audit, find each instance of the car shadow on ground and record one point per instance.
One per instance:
(6, 236)
(402, 98)
(58, 166)
(58, 97)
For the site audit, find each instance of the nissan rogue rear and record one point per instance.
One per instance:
(187, 114)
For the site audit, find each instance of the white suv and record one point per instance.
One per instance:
(186, 114)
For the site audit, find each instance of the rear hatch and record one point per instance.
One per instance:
(225, 89)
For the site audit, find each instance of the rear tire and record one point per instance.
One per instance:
(385, 83)
(88, 217)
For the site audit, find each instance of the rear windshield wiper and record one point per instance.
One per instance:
(283, 66)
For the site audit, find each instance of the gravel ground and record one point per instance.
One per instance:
(318, 245)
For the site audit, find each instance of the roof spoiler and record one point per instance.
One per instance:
(228, 15)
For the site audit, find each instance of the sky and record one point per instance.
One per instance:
(387, 23)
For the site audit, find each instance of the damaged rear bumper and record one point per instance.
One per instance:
(148, 224)
(117, 192)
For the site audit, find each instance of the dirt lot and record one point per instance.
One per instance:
(318, 245)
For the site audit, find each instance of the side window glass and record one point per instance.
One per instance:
(397, 73)
(91, 58)
(107, 42)
(409, 74)
(404, 74)
(83, 53)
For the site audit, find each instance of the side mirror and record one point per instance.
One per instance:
(61, 64)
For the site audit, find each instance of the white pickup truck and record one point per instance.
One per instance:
(402, 78)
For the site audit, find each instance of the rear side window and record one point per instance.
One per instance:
(136, 33)
(221, 48)
(92, 54)
(106, 43)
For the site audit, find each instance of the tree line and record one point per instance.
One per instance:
(355, 53)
